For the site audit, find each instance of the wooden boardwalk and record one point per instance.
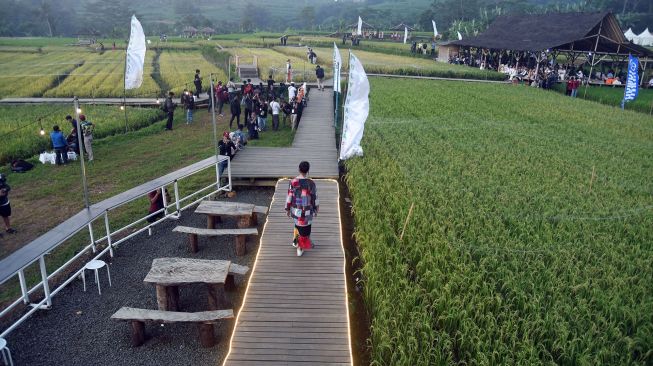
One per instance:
(295, 308)
(315, 141)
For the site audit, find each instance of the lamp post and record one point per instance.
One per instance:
(81, 151)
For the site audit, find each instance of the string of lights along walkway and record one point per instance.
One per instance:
(295, 308)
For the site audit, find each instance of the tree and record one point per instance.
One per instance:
(307, 17)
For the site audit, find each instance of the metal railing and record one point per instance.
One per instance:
(170, 210)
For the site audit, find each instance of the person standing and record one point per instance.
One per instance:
(249, 104)
(262, 111)
(59, 145)
(270, 86)
(87, 134)
(276, 109)
(235, 111)
(293, 114)
(231, 89)
(223, 97)
(302, 205)
(5, 207)
(227, 148)
(292, 92)
(252, 127)
(288, 71)
(189, 105)
(319, 74)
(574, 87)
(169, 108)
(198, 83)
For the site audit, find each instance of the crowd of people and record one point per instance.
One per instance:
(547, 74)
(250, 105)
(422, 48)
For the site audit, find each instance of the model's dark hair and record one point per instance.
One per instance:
(304, 166)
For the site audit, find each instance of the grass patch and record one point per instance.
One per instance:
(612, 96)
(47, 195)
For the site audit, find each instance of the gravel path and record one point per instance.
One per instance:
(78, 329)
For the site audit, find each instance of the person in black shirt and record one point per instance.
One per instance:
(198, 83)
(5, 206)
(227, 148)
(235, 111)
(270, 87)
(169, 108)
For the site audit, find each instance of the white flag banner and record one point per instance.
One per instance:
(357, 108)
(405, 34)
(460, 36)
(435, 29)
(360, 26)
(135, 56)
(337, 66)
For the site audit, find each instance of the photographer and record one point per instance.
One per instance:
(5, 207)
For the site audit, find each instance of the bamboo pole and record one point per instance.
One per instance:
(410, 212)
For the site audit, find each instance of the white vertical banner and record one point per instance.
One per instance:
(337, 65)
(405, 34)
(357, 108)
(360, 26)
(135, 56)
(435, 29)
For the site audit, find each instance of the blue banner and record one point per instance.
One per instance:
(632, 83)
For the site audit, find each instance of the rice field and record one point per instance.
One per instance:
(103, 76)
(31, 74)
(177, 70)
(501, 224)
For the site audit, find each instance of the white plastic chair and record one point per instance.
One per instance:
(6, 354)
(95, 265)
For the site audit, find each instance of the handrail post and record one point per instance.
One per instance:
(23, 286)
(177, 204)
(90, 232)
(44, 278)
(165, 201)
(229, 172)
(106, 225)
(217, 174)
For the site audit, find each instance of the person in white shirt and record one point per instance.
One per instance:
(292, 92)
(276, 108)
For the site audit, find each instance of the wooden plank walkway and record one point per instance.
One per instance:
(315, 141)
(295, 308)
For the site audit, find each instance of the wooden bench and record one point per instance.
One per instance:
(258, 210)
(234, 269)
(240, 235)
(138, 317)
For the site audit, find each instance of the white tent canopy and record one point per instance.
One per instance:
(629, 34)
(644, 39)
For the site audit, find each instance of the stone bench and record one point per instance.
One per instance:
(138, 317)
(239, 234)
